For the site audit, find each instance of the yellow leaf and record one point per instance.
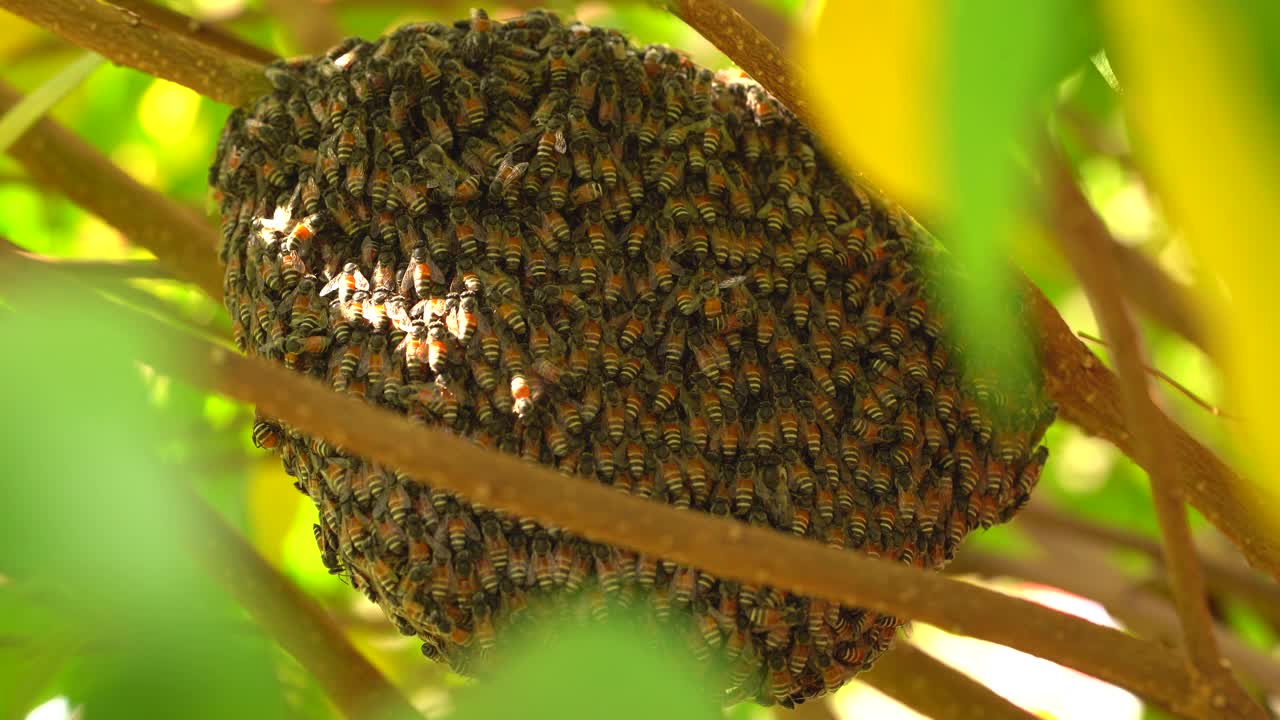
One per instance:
(273, 505)
(872, 70)
(1193, 93)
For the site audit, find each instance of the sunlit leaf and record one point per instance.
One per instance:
(1215, 156)
(935, 100)
(35, 104)
(93, 529)
(873, 71)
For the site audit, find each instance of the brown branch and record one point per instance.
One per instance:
(1089, 575)
(773, 25)
(163, 18)
(1164, 299)
(935, 689)
(724, 547)
(748, 47)
(181, 240)
(1087, 393)
(1085, 241)
(143, 43)
(312, 25)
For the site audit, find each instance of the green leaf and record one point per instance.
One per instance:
(1002, 61)
(609, 670)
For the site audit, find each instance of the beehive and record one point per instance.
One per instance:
(613, 262)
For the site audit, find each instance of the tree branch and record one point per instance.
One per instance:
(935, 689)
(161, 17)
(748, 47)
(179, 238)
(312, 25)
(1164, 299)
(727, 548)
(1085, 241)
(153, 46)
(1087, 393)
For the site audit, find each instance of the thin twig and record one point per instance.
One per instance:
(935, 689)
(109, 269)
(1186, 392)
(311, 25)
(205, 33)
(1166, 300)
(1083, 238)
(127, 38)
(1087, 393)
(177, 236)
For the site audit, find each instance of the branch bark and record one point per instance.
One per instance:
(724, 547)
(751, 49)
(153, 46)
(727, 548)
(312, 25)
(1085, 241)
(935, 689)
(202, 32)
(181, 240)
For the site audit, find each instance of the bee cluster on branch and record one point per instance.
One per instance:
(621, 265)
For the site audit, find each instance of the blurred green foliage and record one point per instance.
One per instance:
(99, 602)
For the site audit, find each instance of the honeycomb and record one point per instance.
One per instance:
(613, 262)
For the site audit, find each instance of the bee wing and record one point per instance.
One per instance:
(333, 284)
(561, 146)
(398, 315)
(362, 368)
(361, 282)
(406, 279)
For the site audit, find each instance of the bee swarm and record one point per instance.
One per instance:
(615, 263)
